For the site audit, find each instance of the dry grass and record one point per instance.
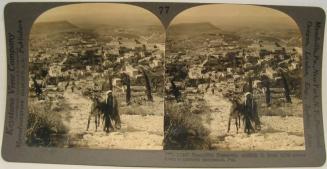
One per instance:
(144, 108)
(281, 108)
(44, 121)
(183, 127)
(136, 110)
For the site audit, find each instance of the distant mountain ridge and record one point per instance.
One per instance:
(55, 26)
(201, 27)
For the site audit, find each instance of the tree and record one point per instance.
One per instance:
(286, 88)
(250, 84)
(266, 85)
(126, 81)
(110, 83)
(175, 91)
(147, 85)
(37, 88)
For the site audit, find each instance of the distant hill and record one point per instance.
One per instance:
(53, 27)
(193, 28)
(132, 32)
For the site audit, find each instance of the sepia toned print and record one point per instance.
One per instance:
(233, 80)
(96, 78)
(222, 77)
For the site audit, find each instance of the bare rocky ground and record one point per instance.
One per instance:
(277, 133)
(142, 128)
(138, 131)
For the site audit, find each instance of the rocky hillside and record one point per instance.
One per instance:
(53, 27)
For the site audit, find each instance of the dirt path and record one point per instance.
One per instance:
(219, 115)
(137, 132)
(278, 133)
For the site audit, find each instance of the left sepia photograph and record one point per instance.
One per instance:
(96, 78)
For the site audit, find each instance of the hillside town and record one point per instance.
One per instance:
(85, 60)
(96, 83)
(214, 75)
(220, 59)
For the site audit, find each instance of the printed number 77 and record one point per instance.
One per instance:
(163, 9)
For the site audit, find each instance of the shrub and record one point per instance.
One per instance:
(183, 129)
(42, 124)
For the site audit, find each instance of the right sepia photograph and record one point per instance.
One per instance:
(233, 80)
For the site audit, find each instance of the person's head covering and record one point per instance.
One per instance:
(106, 97)
(247, 93)
(109, 92)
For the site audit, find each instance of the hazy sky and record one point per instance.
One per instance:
(227, 15)
(100, 13)
(224, 16)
